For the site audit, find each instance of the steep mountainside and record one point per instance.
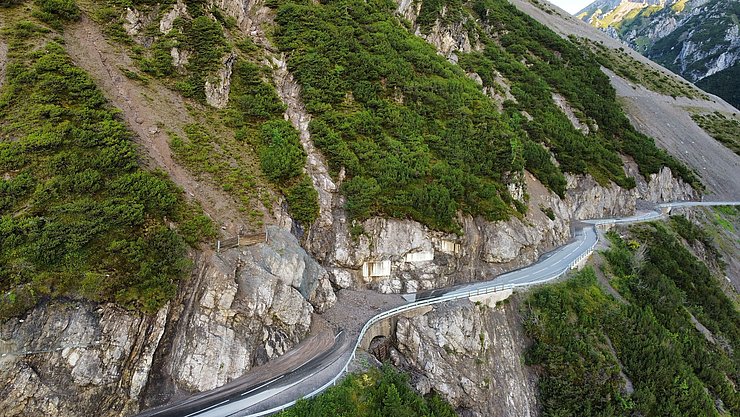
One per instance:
(332, 149)
(725, 83)
(694, 38)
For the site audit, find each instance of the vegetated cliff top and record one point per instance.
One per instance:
(414, 136)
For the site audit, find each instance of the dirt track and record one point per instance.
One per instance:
(149, 111)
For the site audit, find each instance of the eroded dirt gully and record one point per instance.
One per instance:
(3, 62)
(150, 111)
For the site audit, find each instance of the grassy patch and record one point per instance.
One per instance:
(216, 159)
(633, 70)
(56, 12)
(724, 128)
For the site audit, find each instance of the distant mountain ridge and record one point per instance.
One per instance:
(694, 38)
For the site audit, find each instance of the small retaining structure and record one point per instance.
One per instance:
(241, 240)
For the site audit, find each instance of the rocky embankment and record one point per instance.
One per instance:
(239, 309)
(472, 354)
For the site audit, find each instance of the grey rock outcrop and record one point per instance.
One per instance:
(217, 89)
(249, 14)
(168, 20)
(70, 358)
(180, 59)
(472, 356)
(562, 103)
(316, 167)
(499, 92)
(394, 256)
(240, 308)
(448, 38)
(246, 306)
(133, 22)
(3, 61)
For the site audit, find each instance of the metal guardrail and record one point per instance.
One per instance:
(423, 303)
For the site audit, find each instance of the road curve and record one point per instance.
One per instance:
(326, 368)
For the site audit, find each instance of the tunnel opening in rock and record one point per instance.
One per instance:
(380, 348)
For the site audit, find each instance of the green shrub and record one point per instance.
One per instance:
(281, 155)
(78, 217)
(386, 108)
(361, 196)
(376, 393)
(583, 339)
(302, 201)
(57, 12)
(251, 98)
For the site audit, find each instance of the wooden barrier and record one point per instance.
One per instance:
(241, 240)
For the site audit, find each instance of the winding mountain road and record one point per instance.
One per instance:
(326, 368)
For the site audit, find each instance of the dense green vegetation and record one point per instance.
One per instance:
(282, 160)
(725, 84)
(56, 12)
(414, 135)
(538, 62)
(418, 139)
(376, 393)
(78, 216)
(726, 129)
(583, 337)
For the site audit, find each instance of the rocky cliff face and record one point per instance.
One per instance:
(240, 308)
(68, 358)
(247, 306)
(396, 256)
(472, 354)
(217, 89)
